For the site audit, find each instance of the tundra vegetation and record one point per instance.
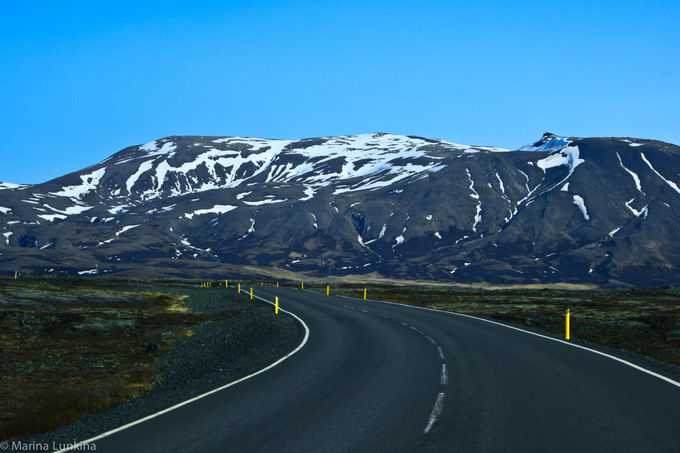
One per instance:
(71, 349)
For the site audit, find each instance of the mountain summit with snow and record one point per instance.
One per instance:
(562, 209)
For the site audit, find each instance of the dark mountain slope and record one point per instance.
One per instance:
(595, 210)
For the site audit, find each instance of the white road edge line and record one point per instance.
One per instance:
(436, 411)
(184, 403)
(625, 362)
(444, 378)
(441, 352)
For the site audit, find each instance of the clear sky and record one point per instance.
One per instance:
(81, 80)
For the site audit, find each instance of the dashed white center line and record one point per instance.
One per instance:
(443, 378)
(435, 413)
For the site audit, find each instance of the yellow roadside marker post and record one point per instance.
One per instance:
(276, 310)
(567, 325)
(15, 275)
(226, 283)
(302, 286)
(239, 287)
(251, 293)
(328, 290)
(364, 293)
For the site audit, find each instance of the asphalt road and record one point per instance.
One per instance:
(379, 377)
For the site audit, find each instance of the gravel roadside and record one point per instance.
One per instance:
(217, 353)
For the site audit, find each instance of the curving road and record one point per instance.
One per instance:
(380, 377)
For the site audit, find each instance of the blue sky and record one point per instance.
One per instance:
(81, 80)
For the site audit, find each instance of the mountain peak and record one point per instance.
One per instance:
(549, 142)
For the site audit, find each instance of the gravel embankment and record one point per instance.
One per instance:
(218, 353)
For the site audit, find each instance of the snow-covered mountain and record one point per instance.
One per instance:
(597, 210)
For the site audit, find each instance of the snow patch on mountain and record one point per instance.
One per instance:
(125, 228)
(121, 209)
(89, 272)
(72, 210)
(152, 148)
(52, 217)
(500, 181)
(217, 209)
(670, 183)
(250, 230)
(475, 195)
(568, 156)
(10, 186)
(263, 202)
(633, 144)
(309, 194)
(89, 182)
(143, 168)
(578, 201)
(635, 212)
(634, 175)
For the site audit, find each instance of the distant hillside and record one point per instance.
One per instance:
(576, 210)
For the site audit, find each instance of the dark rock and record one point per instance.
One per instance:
(153, 347)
